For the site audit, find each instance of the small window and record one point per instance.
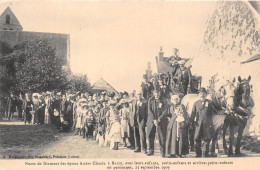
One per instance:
(7, 19)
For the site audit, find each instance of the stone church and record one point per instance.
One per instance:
(11, 32)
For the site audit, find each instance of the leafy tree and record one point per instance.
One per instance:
(41, 69)
(78, 82)
(34, 67)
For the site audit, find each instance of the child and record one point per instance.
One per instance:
(89, 124)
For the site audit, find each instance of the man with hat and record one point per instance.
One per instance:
(26, 108)
(156, 122)
(132, 121)
(147, 88)
(184, 76)
(11, 104)
(69, 110)
(201, 119)
(175, 57)
(19, 105)
(102, 118)
(140, 116)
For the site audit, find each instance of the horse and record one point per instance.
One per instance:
(238, 116)
(231, 101)
(217, 118)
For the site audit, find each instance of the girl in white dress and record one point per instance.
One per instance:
(114, 121)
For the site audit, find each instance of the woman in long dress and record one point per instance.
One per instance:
(124, 115)
(114, 121)
(47, 117)
(177, 136)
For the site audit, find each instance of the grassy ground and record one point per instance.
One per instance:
(21, 139)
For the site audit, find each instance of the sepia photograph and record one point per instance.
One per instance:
(129, 84)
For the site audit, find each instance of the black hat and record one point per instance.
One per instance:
(111, 94)
(203, 90)
(125, 93)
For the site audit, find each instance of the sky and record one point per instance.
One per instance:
(116, 39)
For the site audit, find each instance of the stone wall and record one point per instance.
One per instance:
(231, 36)
(59, 41)
(232, 32)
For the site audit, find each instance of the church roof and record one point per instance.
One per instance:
(102, 85)
(8, 21)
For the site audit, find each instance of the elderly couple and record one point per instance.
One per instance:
(171, 122)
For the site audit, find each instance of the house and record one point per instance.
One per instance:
(101, 85)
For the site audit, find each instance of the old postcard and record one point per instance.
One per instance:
(129, 84)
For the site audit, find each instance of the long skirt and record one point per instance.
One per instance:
(36, 116)
(115, 132)
(177, 140)
(47, 117)
(125, 128)
(78, 124)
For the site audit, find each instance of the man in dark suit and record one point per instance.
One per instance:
(184, 77)
(147, 88)
(201, 118)
(19, 104)
(175, 57)
(11, 104)
(156, 122)
(26, 108)
(132, 123)
(140, 106)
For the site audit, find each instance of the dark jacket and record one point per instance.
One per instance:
(201, 117)
(11, 104)
(156, 112)
(141, 112)
(27, 106)
(63, 107)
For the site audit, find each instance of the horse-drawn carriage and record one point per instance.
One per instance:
(235, 97)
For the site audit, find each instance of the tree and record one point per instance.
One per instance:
(33, 66)
(41, 70)
(78, 82)
(6, 67)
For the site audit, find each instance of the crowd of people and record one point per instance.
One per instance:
(112, 119)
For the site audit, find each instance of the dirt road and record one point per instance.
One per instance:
(65, 145)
